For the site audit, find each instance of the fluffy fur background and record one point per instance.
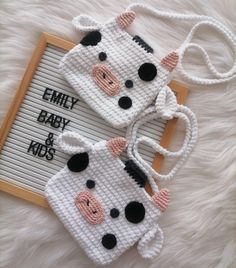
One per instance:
(200, 224)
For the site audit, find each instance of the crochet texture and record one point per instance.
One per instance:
(85, 202)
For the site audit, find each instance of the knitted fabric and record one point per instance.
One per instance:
(86, 213)
(83, 69)
(100, 66)
(95, 183)
(200, 22)
(166, 108)
(99, 199)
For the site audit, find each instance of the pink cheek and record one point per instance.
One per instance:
(89, 207)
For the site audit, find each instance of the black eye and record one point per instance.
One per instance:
(129, 83)
(102, 56)
(114, 213)
(90, 184)
(147, 71)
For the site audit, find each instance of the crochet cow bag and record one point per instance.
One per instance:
(119, 76)
(102, 201)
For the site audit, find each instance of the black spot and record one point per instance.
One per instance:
(129, 83)
(114, 213)
(136, 173)
(125, 102)
(143, 44)
(90, 184)
(78, 162)
(91, 39)
(135, 212)
(102, 56)
(109, 241)
(147, 71)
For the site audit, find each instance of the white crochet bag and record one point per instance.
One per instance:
(118, 75)
(102, 201)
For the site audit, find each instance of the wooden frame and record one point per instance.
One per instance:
(45, 39)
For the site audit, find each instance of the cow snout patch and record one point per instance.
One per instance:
(90, 207)
(105, 79)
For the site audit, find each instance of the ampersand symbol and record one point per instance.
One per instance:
(49, 140)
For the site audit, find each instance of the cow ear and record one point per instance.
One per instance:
(149, 246)
(72, 143)
(161, 199)
(85, 23)
(116, 145)
(125, 19)
(166, 104)
(170, 61)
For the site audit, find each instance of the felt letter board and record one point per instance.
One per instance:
(44, 106)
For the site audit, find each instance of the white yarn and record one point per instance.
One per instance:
(180, 112)
(114, 184)
(187, 44)
(72, 143)
(124, 57)
(114, 188)
(146, 247)
(85, 23)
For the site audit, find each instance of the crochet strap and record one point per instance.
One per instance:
(202, 22)
(181, 112)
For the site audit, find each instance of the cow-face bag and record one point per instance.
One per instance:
(102, 201)
(119, 76)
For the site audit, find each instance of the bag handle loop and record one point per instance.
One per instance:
(201, 22)
(181, 112)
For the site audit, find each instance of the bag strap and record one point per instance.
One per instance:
(201, 22)
(166, 111)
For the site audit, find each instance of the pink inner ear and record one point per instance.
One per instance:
(170, 61)
(161, 199)
(116, 145)
(125, 19)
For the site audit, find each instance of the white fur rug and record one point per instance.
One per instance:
(200, 224)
